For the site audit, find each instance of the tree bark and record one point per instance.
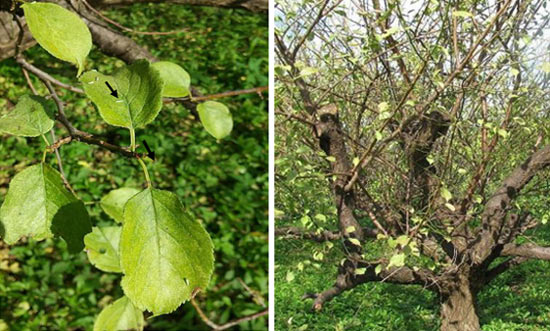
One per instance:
(458, 311)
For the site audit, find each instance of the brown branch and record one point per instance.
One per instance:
(122, 27)
(44, 76)
(497, 206)
(257, 90)
(52, 134)
(227, 325)
(531, 251)
(297, 233)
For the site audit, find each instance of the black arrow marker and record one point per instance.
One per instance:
(114, 93)
(150, 153)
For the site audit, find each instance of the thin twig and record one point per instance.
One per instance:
(122, 27)
(257, 90)
(227, 325)
(44, 76)
(50, 148)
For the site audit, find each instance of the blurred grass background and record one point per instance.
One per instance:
(224, 184)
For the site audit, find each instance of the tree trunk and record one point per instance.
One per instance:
(458, 311)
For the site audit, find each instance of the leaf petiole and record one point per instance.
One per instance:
(145, 171)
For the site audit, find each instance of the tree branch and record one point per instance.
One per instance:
(530, 251)
(297, 233)
(497, 206)
(227, 325)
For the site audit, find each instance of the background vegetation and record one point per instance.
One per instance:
(224, 184)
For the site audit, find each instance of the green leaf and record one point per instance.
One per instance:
(216, 118)
(378, 269)
(61, 32)
(113, 203)
(450, 207)
(31, 117)
(445, 194)
(38, 205)
(289, 276)
(176, 79)
(308, 71)
(398, 260)
(354, 241)
(120, 315)
(102, 248)
(164, 254)
(462, 13)
(360, 271)
(139, 89)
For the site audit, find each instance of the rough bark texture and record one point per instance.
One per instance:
(9, 36)
(458, 307)
(332, 143)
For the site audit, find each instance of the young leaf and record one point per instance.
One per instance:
(31, 117)
(216, 118)
(120, 315)
(164, 254)
(176, 79)
(138, 101)
(38, 205)
(113, 203)
(397, 260)
(102, 248)
(61, 32)
(445, 194)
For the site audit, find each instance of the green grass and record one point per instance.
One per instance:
(223, 184)
(517, 300)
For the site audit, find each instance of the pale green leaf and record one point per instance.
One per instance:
(31, 207)
(514, 72)
(331, 159)
(31, 117)
(402, 240)
(176, 79)
(546, 67)
(321, 217)
(350, 229)
(354, 241)
(450, 207)
(378, 269)
(113, 203)
(216, 118)
(289, 276)
(360, 271)
(355, 161)
(397, 260)
(164, 254)
(445, 194)
(383, 106)
(139, 89)
(308, 71)
(462, 13)
(102, 248)
(120, 315)
(59, 31)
